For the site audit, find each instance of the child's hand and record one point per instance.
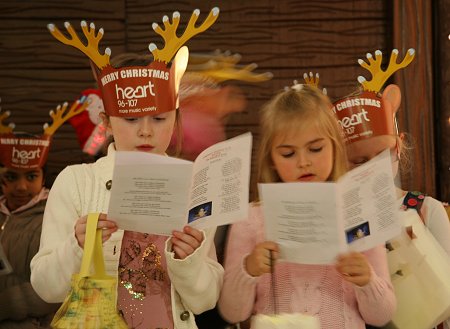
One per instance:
(108, 227)
(258, 262)
(354, 268)
(186, 242)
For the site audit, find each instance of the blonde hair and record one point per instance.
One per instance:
(406, 146)
(295, 110)
(133, 59)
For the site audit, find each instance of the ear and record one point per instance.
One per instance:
(180, 64)
(393, 96)
(105, 121)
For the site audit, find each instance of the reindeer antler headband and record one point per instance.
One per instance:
(366, 115)
(31, 152)
(209, 70)
(311, 80)
(222, 66)
(140, 90)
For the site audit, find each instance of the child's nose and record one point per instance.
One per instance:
(303, 161)
(145, 127)
(21, 184)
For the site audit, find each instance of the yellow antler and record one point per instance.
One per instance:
(311, 79)
(228, 71)
(223, 66)
(91, 50)
(59, 117)
(205, 61)
(379, 77)
(171, 41)
(5, 129)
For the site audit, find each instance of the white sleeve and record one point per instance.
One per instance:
(437, 221)
(59, 255)
(198, 278)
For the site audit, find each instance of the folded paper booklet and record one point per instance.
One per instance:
(158, 194)
(314, 222)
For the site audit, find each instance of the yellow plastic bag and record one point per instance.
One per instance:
(91, 303)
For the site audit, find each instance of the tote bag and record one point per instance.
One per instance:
(420, 274)
(91, 303)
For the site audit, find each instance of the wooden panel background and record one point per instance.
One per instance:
(412, 28)
(442, 71)
(284, 37)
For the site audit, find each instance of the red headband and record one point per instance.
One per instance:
(23, 152)
(366, 114)
(140, 90)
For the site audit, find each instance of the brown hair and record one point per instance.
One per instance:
(293, 109)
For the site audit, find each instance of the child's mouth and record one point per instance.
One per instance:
(306, 177)
(145, 148)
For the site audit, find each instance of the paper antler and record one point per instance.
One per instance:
(171, 40)
(91, 50)
(311, 79)
(379, 77)
(203, 61)
(5, 129)
(61, 116)
(228, 71)
(222, 66)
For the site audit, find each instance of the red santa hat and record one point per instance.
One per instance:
(91, 132)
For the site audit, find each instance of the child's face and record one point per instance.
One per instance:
(304, 155)
(19, 186)
(146, 134)
(364, 150)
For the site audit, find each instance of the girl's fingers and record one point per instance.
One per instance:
(181, 248)
(189, 236)
(354, 268)
(185, 243)
(179, 252)
(261, 259)
(108, 227)
(196, 234)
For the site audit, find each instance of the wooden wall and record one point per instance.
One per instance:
(442, 97)
(285, 37)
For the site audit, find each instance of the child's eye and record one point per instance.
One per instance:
(130, 119)
(316, 149)
(287, 154)
(32, 177)
(159, 118)
(9, 177)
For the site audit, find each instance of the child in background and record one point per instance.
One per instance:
(209, 94)
(23, 159)
(369, 139)
(163, 281)
(301, 142)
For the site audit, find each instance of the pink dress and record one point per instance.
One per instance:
(144, 285)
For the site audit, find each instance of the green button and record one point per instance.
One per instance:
(184, 316)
